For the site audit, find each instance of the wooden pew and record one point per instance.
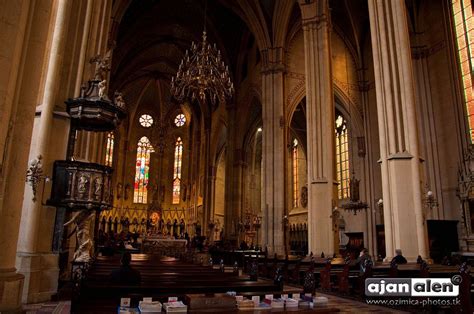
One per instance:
(160, 278)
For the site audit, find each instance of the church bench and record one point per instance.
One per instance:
(161, 279)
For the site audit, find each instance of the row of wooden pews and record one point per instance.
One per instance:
(161, 277)
(344, 278)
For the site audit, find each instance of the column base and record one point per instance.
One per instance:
(41, 274)
(11, 287)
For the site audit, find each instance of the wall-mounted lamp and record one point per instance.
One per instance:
(430, 200)
(380, 203)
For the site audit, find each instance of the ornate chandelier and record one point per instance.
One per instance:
(202, 75)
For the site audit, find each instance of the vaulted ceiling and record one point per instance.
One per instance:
(151, 36)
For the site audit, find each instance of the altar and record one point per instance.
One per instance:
(164, 246)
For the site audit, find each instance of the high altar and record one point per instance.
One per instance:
(164, 245)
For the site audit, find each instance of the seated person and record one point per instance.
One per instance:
(364, 260)
(399, 259)
(125, 275)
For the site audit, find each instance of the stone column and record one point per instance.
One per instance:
(82, 55)
(231, 212)
(428, 137)
(369, 163)
(207, 195)
(273, 149)
(24, 29)
(398, 130)
(212, 198)
(322, 187)
(237, 203)
(41, 284)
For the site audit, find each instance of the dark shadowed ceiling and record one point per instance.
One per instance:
(153, 36)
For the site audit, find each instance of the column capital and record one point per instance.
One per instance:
(272, 60)
(314, 13)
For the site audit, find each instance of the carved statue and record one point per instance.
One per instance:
(154, 220)
(119, 190)
(127, 190)
(82, 221)
(354, 188)
(97, 187)
(34, 174)
(175, 228)
(102, 87)
(82, 185)
(143, 225)
(182, 227)
(118, 100)
(304, 196)
(126, 225)
(102, 66)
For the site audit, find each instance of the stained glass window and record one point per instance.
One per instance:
(342, 157)
(144, 149)
(109, 150)
(178, 157)
(180, 120)
(295, 172)
(146, 120)
(464, 29)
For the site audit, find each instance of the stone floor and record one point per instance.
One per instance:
(345, 305)
(352, 306)
(58, 307)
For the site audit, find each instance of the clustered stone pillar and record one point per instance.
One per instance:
(399, 152)
(29, 261)
(273, 148)
(208, 174)
(232, 179)
(320, 124)
(428, 132)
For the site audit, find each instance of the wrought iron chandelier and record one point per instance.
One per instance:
(202, 75)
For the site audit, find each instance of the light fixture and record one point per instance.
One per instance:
(430, 200)
(259, 130)
(380, 203)
(202, 75)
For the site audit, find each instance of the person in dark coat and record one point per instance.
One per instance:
(125, 275)
(363, 260)
(399, 259)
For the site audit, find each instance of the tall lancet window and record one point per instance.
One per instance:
(144, 149)
(464, 28)
(294, 157)
(109, 150)
(342, 157)
(178, 157)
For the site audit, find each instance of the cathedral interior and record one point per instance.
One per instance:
(296, 128)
